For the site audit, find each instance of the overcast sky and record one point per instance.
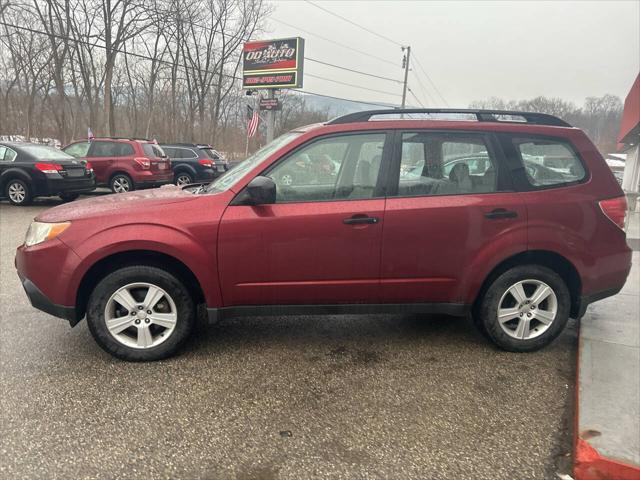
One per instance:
(471, 50)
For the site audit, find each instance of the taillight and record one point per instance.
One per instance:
(205, 163)
(145, 163)
(615, 209)
(88, 166)
(48, 167)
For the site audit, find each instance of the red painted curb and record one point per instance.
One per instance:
(590, 465)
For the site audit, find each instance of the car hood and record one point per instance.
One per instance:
(103, 205)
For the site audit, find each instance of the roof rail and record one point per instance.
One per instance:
(100, 137)
(481, 115)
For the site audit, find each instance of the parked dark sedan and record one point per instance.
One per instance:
(29, 170)
(194, 162)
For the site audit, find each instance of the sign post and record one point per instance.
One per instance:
(271, 65)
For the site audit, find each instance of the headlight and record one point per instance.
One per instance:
(39, 232)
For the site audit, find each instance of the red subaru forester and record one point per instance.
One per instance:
(511, 217)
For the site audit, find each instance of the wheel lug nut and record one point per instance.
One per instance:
(140, 307)
(521, 314)
(133, 313)
(146, 320)
(137, 322)
(532, 307)
(528, 314)
(148, 312)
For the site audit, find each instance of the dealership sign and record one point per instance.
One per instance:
(270, 104)
(273, 63)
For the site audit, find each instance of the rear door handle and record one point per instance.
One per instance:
(359, 220)
(500, 213)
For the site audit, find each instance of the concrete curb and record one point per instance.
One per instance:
(607, 398)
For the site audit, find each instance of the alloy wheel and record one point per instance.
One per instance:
(183, 180)
(527, 309)
(121, 185)
(141, 315)
(17, 192)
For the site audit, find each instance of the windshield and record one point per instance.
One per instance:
(234, 175)
(43, 152)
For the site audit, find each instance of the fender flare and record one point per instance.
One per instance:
(200, 261)
(13, 172)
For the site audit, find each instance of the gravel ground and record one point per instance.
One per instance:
(376, 396)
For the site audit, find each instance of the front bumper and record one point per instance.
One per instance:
(45, 273)
(40, 301)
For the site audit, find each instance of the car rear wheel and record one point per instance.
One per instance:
(525, 308)
(18, 192)
(69, 197)
(140, 313)
(182, 179)
(121, 183)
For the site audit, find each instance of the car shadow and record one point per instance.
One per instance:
(309, 332)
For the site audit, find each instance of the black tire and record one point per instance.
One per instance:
(133, 274)
(487, 313)
(11, 189)
(186, 177)
(121, 179)
(69, 197)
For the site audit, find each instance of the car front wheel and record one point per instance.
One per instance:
(140, 313)
(525, 308)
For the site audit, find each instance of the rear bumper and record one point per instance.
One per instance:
(586, 300)
(40, 301)
(56, 186)
(153, 179)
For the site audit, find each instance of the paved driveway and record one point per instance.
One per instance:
(288, 398)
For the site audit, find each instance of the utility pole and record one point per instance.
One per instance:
(406, 74)
(271, 117)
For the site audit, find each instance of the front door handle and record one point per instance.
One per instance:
(359, 220)
(500, 213)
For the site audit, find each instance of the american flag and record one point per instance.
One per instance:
(254, 119)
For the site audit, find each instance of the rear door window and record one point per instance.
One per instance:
(101, 148)
(548, 162)
(443, 163)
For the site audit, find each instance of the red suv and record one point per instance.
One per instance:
(124, 164)
(511, 217)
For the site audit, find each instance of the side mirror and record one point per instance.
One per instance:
(259, 191)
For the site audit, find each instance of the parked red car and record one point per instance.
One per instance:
(422, 215)
(124, 164)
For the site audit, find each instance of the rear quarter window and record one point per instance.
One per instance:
(152, 150)
(549, 162)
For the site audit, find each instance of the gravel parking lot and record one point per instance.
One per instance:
(288, 398)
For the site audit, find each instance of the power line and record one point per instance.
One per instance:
(354, 23)
(307, 92)
(350, 84)
(123, 52)
(430, 81)
(352, 70)
(83, 42)
(361, 52)
(414, 96)
(423, 89)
